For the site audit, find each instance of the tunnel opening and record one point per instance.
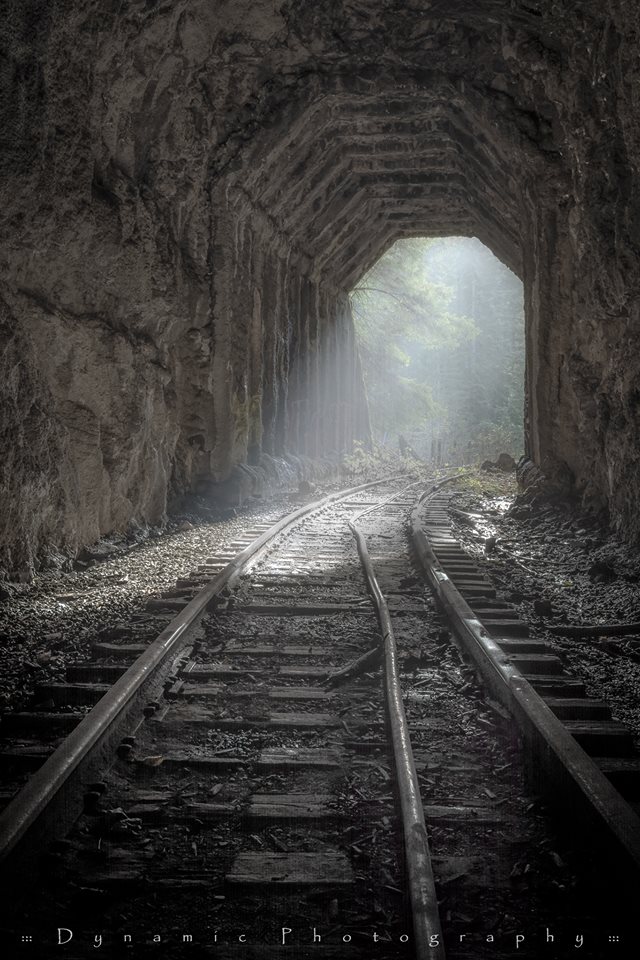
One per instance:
(439, 324)
(230, 177)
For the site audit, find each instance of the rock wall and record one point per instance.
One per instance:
(145, 323)
(584, 270)
(190, 188)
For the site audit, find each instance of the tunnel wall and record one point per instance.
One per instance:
(286, 371)
(581, 255)
(157, 377)
(153, 333)
(189, 189)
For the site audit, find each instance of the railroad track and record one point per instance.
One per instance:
(263, 770)
(131, 663)
(198, 693)
(588, 760)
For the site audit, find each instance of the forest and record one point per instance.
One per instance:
(440, 326)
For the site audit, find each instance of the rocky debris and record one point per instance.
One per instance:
(102, 550)
(528, 474)
(308, 490)
(601, 572)
(505, 463)
(565, 570)
(6, 592)
(543, 608)
(52, 559)
(54, 620)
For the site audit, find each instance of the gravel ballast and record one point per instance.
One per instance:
(52, 621)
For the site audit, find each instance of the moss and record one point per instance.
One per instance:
(487, 484)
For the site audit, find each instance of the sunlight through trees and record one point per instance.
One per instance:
(440, 324)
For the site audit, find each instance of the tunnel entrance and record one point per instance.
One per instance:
(178, 312)
(440, 330)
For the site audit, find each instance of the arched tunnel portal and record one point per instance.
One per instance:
(190, 190)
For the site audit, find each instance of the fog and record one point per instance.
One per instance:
(440, 326)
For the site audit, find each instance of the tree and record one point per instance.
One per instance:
(441, 331)
(399, 312)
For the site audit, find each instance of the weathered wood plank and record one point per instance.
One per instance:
(436, 813)
(72, 694)
(293, 757)
(291, 806)
(196, 761)
(190, 691)
(187, 716)
(303, 673)
(209, 811)
(299, 693)
(290, 719)
(42, 722)
(281, 650)
(320, 869)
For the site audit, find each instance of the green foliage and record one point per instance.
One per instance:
(399, 313)
(368, 463)
(488, 484)
(441, 331)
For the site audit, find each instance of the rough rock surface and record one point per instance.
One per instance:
(189, 188)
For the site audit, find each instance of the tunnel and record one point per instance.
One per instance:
(191, 189)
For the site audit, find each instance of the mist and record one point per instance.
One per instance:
(440, 327)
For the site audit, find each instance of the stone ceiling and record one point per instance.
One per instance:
(375, 121)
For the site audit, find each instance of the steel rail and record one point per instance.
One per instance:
(422, 893)
(565, 762)
(25, 809)
(383, 503)
(395, 496)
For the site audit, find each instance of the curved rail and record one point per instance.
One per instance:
(422, 892)
(25, 809)
(565, 762)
